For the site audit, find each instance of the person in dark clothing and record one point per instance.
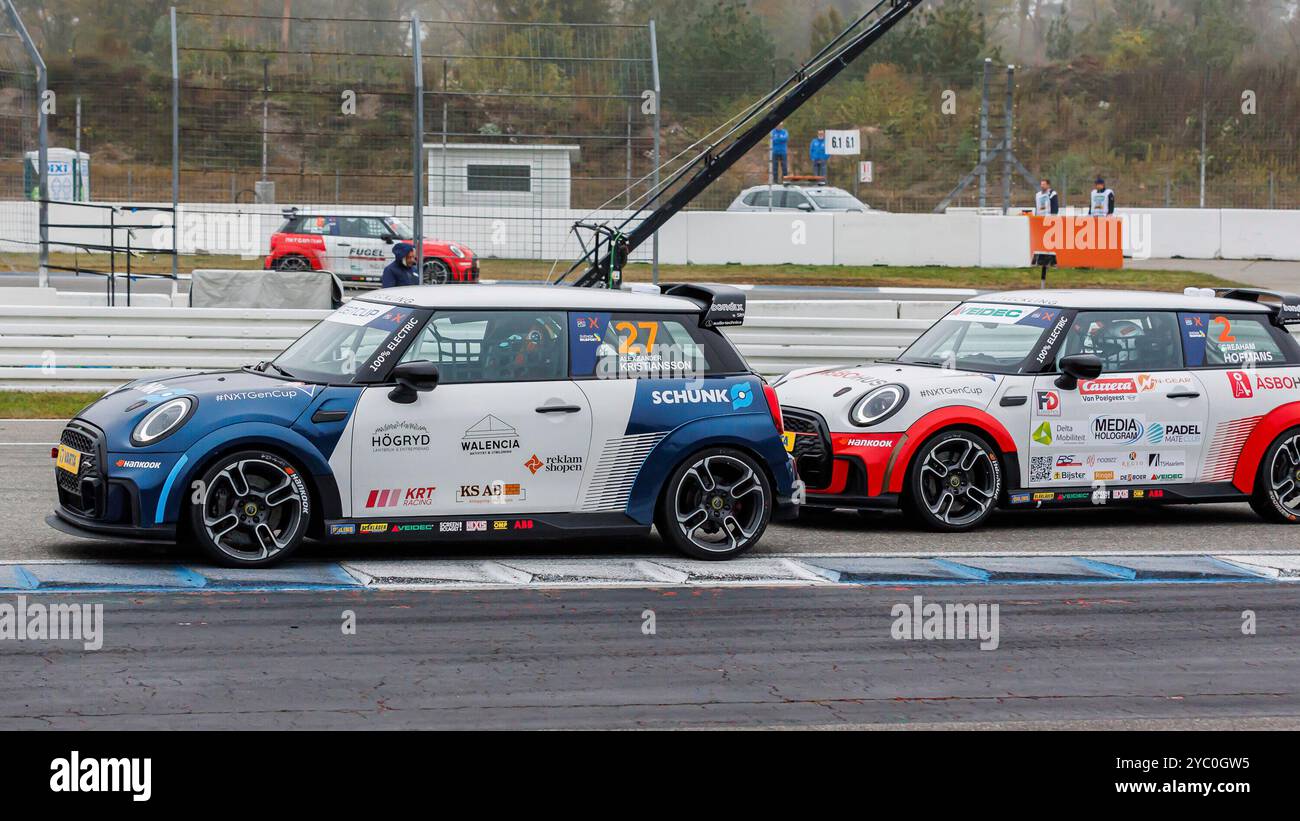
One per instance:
(1101, 202)
(401, 271)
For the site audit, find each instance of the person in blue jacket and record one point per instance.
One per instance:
(817, 153)
(780, 144)
(401, 271)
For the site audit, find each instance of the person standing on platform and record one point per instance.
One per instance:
(1045, 201)
(817, 153)
(780, 146)
(1101, 203)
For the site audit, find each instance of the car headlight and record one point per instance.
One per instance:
(162, 421)
(455, 249)
(878, 405)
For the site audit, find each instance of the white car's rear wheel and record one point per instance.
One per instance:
(1277, 488)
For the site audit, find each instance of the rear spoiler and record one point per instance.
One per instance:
(720, 305)
(1285, 307)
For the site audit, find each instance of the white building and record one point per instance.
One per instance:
(480, 175)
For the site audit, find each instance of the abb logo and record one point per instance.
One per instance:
(1240, 382)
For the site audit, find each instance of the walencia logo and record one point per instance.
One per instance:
(740, 395)
(128, 775)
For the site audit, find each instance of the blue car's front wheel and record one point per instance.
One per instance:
(250, 509)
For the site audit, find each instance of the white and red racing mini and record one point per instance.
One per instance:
(357, 246)
(1036, 399)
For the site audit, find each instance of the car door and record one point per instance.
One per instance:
(1141, 422)
(1248, 367)
(361, 249)
(504, 432)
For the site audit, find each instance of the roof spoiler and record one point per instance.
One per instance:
(720, 305)
(1285, 307)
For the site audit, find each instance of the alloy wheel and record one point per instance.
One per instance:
(251, 509)
(959, 481)
(720, 503)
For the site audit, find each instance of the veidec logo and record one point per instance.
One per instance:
(1240, 382)
(403, 497)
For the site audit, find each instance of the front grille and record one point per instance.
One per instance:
(812, 447)
(79, 493)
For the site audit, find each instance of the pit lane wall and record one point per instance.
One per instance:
(69, 347)
(957, 238)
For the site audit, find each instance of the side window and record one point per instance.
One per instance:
(794, 199)
(327, 226)
(648, 346)
(1234, 340)
(758, 198)
(494, 346)
(1126, 340)
(367, 227)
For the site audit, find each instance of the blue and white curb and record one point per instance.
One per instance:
(551, 572)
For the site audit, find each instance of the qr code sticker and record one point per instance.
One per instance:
(1040, 469)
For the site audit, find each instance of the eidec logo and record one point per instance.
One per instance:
(1240, 381)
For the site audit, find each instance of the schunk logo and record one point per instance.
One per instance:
(77, 774)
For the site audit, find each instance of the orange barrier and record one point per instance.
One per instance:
(1078, 242)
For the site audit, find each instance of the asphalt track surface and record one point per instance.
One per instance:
(27, 494)
(1166, 656)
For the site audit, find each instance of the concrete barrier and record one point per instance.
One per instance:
(49, 347)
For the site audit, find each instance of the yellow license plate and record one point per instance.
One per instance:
(787, 439)
(69, 459)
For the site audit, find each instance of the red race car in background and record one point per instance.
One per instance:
(357, 247)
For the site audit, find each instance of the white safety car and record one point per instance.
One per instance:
(1055, 398)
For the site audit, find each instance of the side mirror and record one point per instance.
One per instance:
(413, 378)
(805, 206)
(1076, 367)
(388, 238)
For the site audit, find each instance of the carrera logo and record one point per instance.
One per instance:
(1107, 390)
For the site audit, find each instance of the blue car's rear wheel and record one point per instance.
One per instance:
(716, 505)
(250, 509)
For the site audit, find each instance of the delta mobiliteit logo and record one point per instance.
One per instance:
(1043, 434)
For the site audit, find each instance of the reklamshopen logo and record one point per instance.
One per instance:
(127, 775)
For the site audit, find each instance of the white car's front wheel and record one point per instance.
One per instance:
(954, 482)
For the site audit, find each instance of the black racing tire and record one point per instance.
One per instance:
(293, 262)
(1277, 485)
(954, 482)
(270, 503)
(436, 272)
(716, 504)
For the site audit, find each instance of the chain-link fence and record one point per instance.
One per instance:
(529, 126)
(19, 133)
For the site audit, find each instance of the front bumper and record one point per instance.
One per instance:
(70, 523)
(842, 470)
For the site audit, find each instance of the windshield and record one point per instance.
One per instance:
(836, 201)
(354, 344)
(398, 228)
(986, 337)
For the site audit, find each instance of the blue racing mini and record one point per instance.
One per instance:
(439, 412)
